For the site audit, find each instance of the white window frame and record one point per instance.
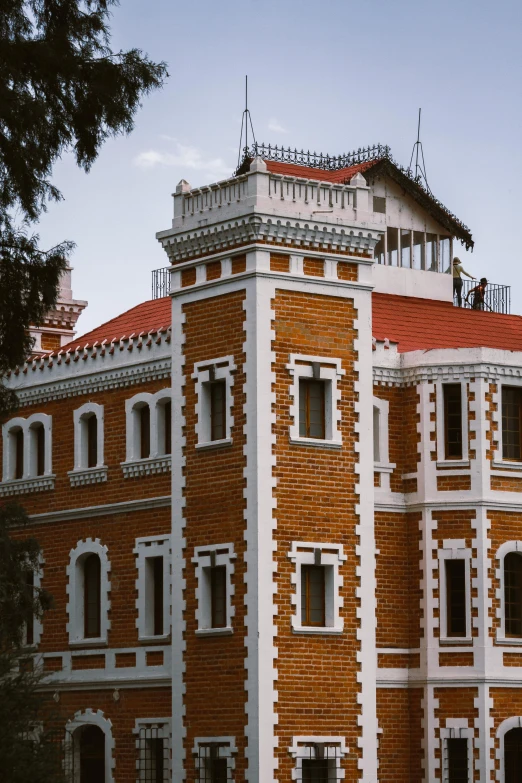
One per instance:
(503, 550)
(29, 482)
(510, 723)
(454, 549)
(204, 558)
(219, 369)
(440, 424)
(498, 460)
(158, 461)
(82, 474)
(227, 751)
(75, 590)
(90, 718)
(306, 553)
(456, 728)
(300, 751)
(322, 368)
(381, 440)
(162, 725)
(148, 547)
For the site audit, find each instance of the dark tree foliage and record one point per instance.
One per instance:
(29, 747)
(62, 89)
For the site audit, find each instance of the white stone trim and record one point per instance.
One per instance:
(91, 718)
(146, 547)
(204, 558)
(304, 553)
(453, 550)
(80, 436)
(505, 726)
(162, 727)
(79, 478)
(306, 366)
(227, 750)
(222, 368)
(30, 453)
(23, 486)
(302, 748)
(74, 590)
(132, 438)
(440, 423)
(456, 728)
(147, 467)
(503, 550)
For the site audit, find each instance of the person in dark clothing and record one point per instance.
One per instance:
(478, 293)
(458, 271)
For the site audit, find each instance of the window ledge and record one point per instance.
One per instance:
(164, 637)
(317, 443)
(383, 467)
(508, 641)
(98, 642)
(25, 485)
(215, 631)
(146, 467)
(214, 444)
(455, 641)
(506, 464)
(326, 630)
(79, 478)
(453, 463)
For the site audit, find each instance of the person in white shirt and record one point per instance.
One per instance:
(458, 271)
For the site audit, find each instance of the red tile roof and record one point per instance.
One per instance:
(412, 323)
(323, 175)
(425, 323)
(145, 317)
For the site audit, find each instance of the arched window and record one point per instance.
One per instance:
(17, 436)
(513, 594)
(92, 596)
(37, 447)
(164, 411)
(91, 431)
(91, 746)
(513, 756)
(144, 430)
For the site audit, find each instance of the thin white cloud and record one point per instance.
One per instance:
(184, 157)
(276, 126)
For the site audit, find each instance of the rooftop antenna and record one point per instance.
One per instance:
(420, 165)
(246, 118)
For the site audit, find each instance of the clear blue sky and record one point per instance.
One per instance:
(329, 76)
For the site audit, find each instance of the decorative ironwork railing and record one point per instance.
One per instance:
(497, 298)
(317, 160)
(161, 282)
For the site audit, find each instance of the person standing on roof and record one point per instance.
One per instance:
(478, 293)
(458, 271)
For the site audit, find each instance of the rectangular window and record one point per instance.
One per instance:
(452, 420)
(313, 595)
(457, 749)
(392, 238)
(213, 768)
(157, 594)
(92, 441)
(513, 594)
(511, 423)
(153, 756)
(311, 409)
(19, 454)
(456, 598)
(379, 204)
(218, 410)
(405, 247)
(218, 596)
(29, 620)
(144, 414)
(376, 434)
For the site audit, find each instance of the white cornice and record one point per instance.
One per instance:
(87, 512)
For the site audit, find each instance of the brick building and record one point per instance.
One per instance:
(280, 508)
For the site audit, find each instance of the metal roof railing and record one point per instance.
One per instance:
(497, 298)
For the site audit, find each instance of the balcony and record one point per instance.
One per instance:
(497, 297)
(161, 282)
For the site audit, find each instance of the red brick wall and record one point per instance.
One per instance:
(454, 703)
(399, 714)
(315, 502)
(215, 672)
